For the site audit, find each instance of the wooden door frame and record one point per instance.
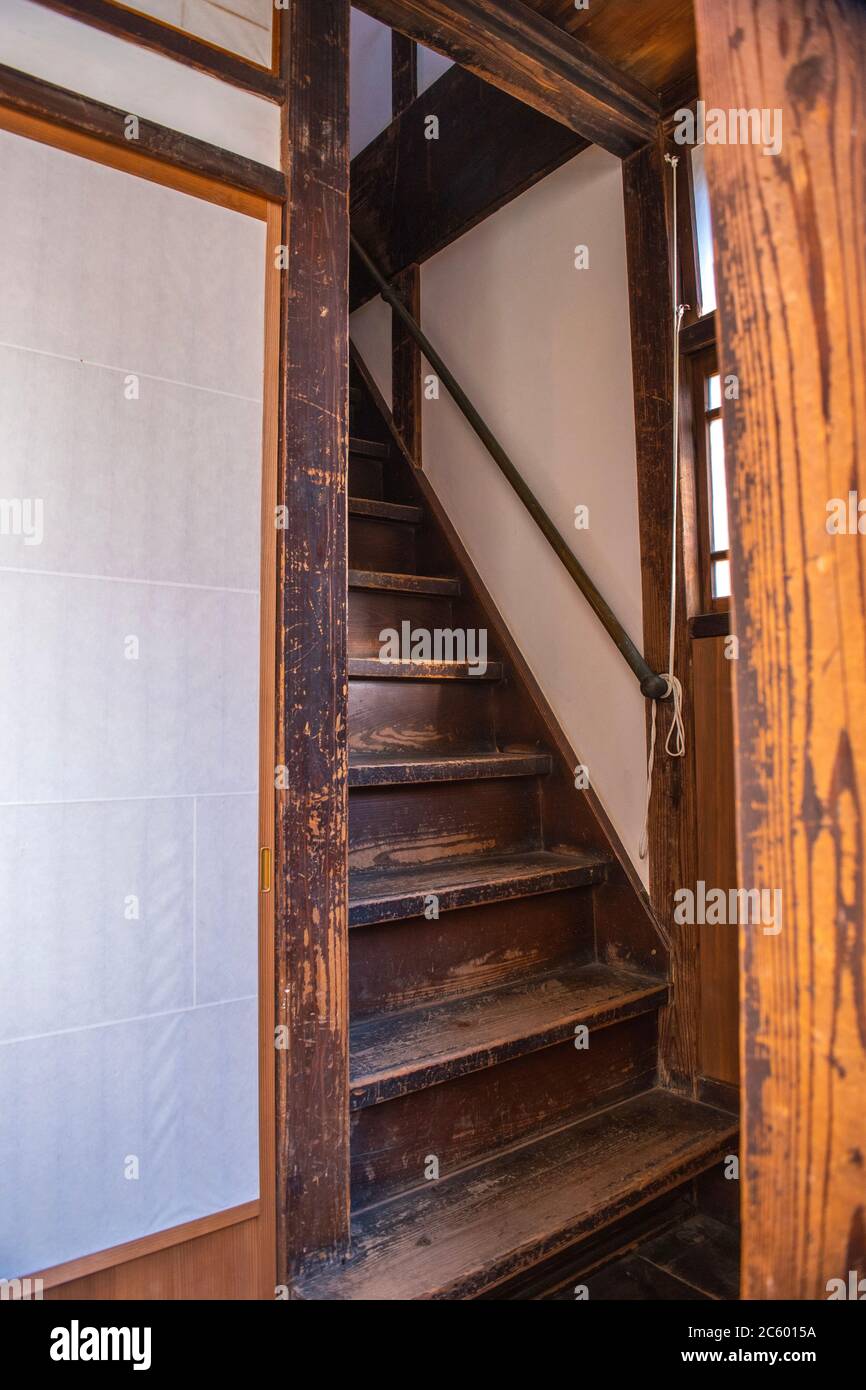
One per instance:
(311, 869)
(138, 1267)
(790, 247)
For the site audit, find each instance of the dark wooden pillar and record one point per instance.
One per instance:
(311, 845)
(405, 355)
(791, 252)
(672, 838)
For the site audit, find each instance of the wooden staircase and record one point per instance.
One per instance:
(492, 914)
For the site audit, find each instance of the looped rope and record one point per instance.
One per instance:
(675, 743)
(677, 733)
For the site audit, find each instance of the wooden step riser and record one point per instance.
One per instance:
(366, 477)
(382, 545)
(371, 611)
(421, 716)
(475, 1116)
(397, 826)
(406, 965)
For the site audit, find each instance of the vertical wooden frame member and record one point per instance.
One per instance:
(310, 880)
(791, 250)
(672, 841)
(405, 353)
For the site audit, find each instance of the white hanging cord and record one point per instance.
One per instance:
(675, 743)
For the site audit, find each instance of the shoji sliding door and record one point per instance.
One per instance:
(132, 365)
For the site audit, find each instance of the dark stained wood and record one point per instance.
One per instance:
(700, 334)
(420, 717)
(653, 39)
(402, 1052)
(416, 963)
(378, 546)
(411, 196)
(368, 448)
(405, 354)
(710, 624)
(404, 583)
(378, 895)
(635, 1280)
(32, 97)
(173, 43)
(373, 611)
(672, 846)
(404, 73)
(384, 770)
(374, 669)
(717, 857)
(703, 1253)
(555, 1279)
(383, 511)
(406, 387)
(510, 46)
(311, 841)
(791, 321)
(461, 1236)
(482, 1113)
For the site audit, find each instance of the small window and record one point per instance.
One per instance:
(703, 233)
(711, 481)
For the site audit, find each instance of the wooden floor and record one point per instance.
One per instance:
(695, 1260)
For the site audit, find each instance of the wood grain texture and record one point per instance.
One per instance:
(717, 856)
(185, 48)
(403, 1052)
(475, 1116)
(508, 44)
(406, 363)
(791, 251)
(411, 196)
(26, 96)
(310, 867)
(672, 841)
(217, 1258)
(464, 1234)
(654, 40)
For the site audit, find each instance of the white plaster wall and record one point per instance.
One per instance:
(544, 351)
(371, 78)
(78, 56)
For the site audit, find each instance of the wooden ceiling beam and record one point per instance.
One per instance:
(518, 50)
(491, 148)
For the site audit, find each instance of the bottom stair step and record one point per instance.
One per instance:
(458, 1238)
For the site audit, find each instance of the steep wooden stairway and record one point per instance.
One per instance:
(492, 919)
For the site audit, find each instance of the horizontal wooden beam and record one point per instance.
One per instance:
(513, 47)
(172, 43)
(412, 196)
(31, 97)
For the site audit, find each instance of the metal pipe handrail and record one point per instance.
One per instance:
(652, 685)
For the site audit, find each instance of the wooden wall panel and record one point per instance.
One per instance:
(717, 856)
(791, 273)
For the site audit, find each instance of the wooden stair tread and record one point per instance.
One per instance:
(393, 1054)
(382, 895)
(372, 668)
(404, 583)
(368, 448)
(390, 769)
(456, 1238)
(385, 511)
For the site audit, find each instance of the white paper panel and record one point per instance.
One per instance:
(122, 74)
(128, 706)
